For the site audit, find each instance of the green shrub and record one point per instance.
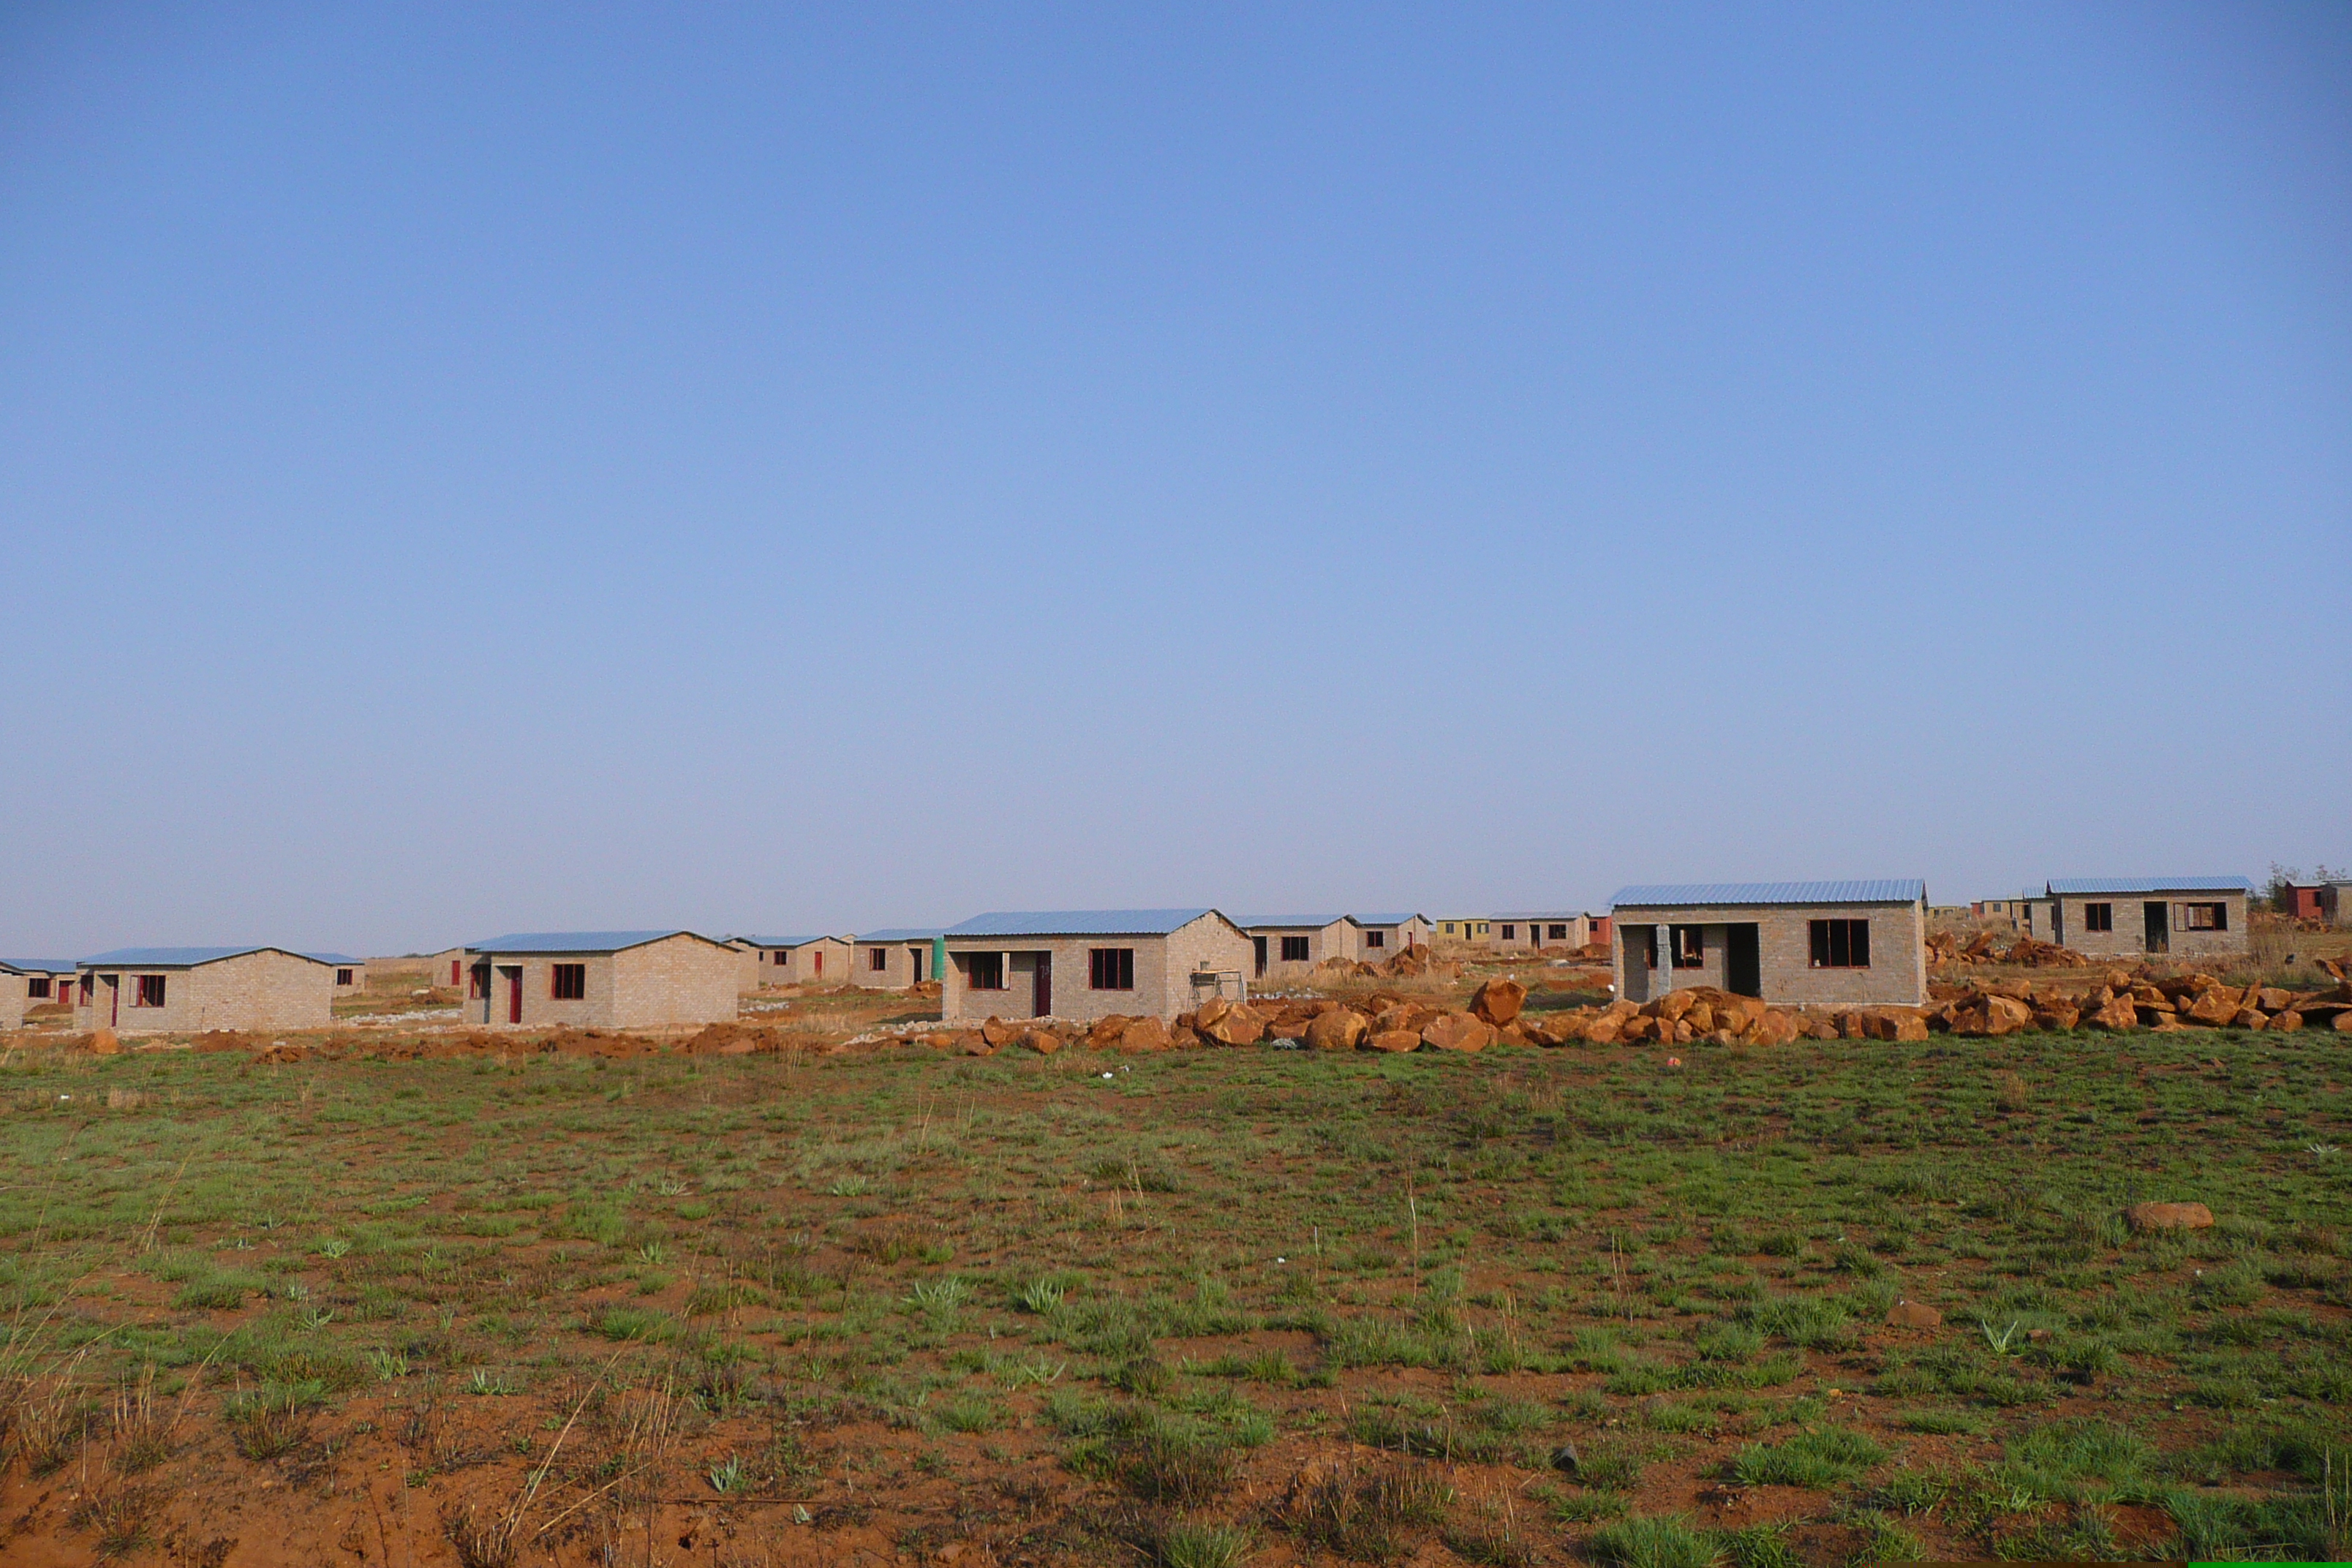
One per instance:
(1656, 1542)
(1820, 1457)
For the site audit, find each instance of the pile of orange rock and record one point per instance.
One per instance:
(1947, 948)
(1409, 963)
(2135, 1000)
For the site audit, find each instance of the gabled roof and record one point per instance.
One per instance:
(2150, 885)
(1078, 923)
(39, 966)
(1288, 923)
(180, 957)
(341, 960)
(787, 941)
(904, 933)
(1894, 890)
(1539, 915)
(574, 941)
(1397, 919)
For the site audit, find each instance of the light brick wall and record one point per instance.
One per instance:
(1209, 942)
(2129, 937)
(800, 965)
(13, 999)
(266, 990)
(678, 980)
(1529, 936)
(1897, 975)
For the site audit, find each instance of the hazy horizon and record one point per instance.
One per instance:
(475, 470)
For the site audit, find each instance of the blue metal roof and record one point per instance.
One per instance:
(1288, 923)
(338, 959)
(178, 957)
(1386, 920)
(1539, 915)
(787, 941)
(572, 941)
(2150, 885)
(1892, 891)
(904, 933)
(1076, 922)
(40, 965)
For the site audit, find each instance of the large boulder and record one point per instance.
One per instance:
(2287, 1020)
(2006, 1015)
(105, 1042)
(1906, 1314)
(1234, 1023)
(1105, 1034)
(1499, 1001)
(1774, 1028)
(1044, 1042)
(2119, 1017)
(1341, 1029)
(997, 1032)
(1143, 1034)
(1458, 1032)
(2168, 1216)
(2212, 1008)
(1398, 1040)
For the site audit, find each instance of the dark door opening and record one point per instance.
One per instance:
(113, 999)
(1743, 962)
(1640, 958)
(1041, 987)
(512, 975)
(1258, 943)
(915, 959)
(2156, 917)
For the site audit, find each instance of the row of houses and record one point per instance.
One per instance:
(1794, 944)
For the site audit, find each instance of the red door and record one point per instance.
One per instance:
(1041, 989)
(514, 996)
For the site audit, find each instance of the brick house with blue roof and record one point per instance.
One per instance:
(1795, 944)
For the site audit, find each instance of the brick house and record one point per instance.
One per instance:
(447, 967)
(2136, 917)
(1462, 928)
(1859, 943)
(600, 979)
(2297, 901)
(1383, 936)
(1599, 930)
(1084, 964)
(189, 990)
(29, 982)
(894, 958)
(792, 960)
(1287, 945)
(351, 973)
(1532, 931)
(2335, 903)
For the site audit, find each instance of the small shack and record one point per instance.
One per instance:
(895, 958)
(351, 973)
(600, 979)
(1287, 946)
(794, 959)
(1383, 936)
(1084, 964)
(1857, 943)
(29, 982)
(191, 990)
(2150, 917)
(1533, 930)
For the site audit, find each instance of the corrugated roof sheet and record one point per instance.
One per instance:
(572, 941)
(1396, 920)
(1076, 922)
(2150, 885)
(1888, 890)
(904, 933)
(1287, 922)
(787, 941)
(178, 957)
(41, 965)
(1539, 915)
(339, 959)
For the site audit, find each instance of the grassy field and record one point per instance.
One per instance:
(1193, 1309)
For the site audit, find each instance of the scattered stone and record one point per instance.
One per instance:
(2168, 1216)
(105, 1042)
(1341, 1029)
(1458, 1032)
(1497, 1002)
(1399, 1040)
(1913, 1315)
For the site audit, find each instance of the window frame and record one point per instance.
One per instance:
(2099, 917)
(1378, 939)
(37, 985)
(2218, 912)
(1839, 942)
(983, 971)
(345, 977)
(149, 991)
(1112, 968)
(1697, 957)
(1295, 949)
(880, 963)
(567, 982)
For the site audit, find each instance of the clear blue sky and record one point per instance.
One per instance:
(475, 467)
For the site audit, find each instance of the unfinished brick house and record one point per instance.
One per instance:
(1860, 943)
(190, 990)
(1084, 964)
(29, 982)
(351, 973)
(1382, 936)
(1284, 946)
(894, 958)
(794, 959)
(2150, 917)
(600, 979)
(1532, 931)
(1462, 928)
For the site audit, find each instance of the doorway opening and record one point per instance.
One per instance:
(1743, 962)
(1041, 988)
(512, 974)
(2156, 917)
